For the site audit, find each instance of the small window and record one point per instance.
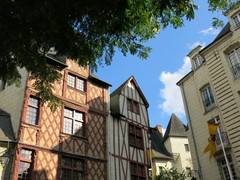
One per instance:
(137, 171)
(208, 98)
(73, 122)
(71, 169)
(234, 58)
(76, 82)
(197, 61)
(135, 136)
(236, 20)
(188, 172)
(32, 110)
(25, 166)
(186, 147)
(133, 106)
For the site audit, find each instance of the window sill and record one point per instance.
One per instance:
(62, 134)
(24, 124)
(70, 87)
(138, 147)
(210, 109)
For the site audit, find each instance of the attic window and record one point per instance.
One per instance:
(133, 106)
(197, 61)
(236, 20)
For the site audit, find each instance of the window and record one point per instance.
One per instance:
(73, 122)
(135, 136)
(236, 20)
(188, 172)
(133, 106)
(197, 61)
(137, 171)
(75, 82)
(208, 98)
(234, 58)
(25, 167)
(71, 169)
(186, 147)
(32, 110)
(225, 169)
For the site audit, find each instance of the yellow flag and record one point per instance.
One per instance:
(153, 163)
(211, 145)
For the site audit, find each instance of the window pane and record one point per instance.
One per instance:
(80, 84)
(67, 125)
(71, 80)
(78, 163)
(26, 154)
(77, 175)
(139, 141)
(33, 101)
(78, 115)
(78, 128)
(65, 174)
(129, 104)
(66, 161)
(68, 112)
(31, 117)
(24, 170)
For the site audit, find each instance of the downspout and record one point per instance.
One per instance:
(190, 126)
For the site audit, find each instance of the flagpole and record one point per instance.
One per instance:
(224, 152)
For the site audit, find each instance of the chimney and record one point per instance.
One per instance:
(159, 128)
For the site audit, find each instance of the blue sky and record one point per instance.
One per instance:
(157, 76)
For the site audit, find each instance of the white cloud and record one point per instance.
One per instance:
(195, 44)
(211, 31)
(171, 95)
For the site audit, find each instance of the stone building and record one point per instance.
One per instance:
(211, 92)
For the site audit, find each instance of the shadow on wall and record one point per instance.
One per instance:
(81, 151)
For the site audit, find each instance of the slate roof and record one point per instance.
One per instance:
(175, 128)
(159, 150)
(60, 59)
(224, 31)
(6, 131)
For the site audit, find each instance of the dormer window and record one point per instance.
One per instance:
(197, 61)
(236, 20)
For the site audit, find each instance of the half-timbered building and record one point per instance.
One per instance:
(128, 128)
(69, 143)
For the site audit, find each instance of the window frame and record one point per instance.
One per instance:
(135, 136)
(139, 171)
(234, 63)
(186, 146)
(224, 169)
(208, 98)
(26, 161)
(71, 168)
(73, 118)
(236, 20)
(197, 61)
(133, 106)
(76, 82)
(28, 111)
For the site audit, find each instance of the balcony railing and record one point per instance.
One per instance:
(224, 140)
(236, 70)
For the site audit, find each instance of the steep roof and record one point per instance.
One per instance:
(6, 131)
(175, 128)
(120, 88)
(159, 150)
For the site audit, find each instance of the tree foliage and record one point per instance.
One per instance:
(171, 174)
(89, 31)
